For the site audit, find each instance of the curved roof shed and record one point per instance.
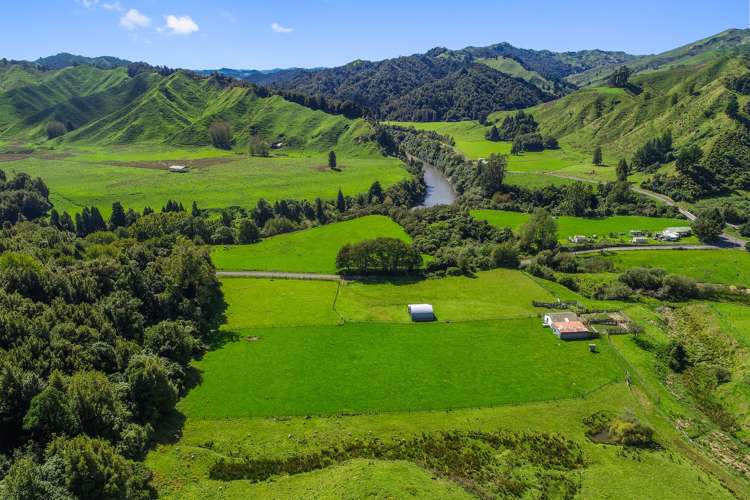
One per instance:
(421, 312)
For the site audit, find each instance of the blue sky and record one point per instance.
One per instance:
(284, 33)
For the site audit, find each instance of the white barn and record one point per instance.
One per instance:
(421, 312)
(179, 169)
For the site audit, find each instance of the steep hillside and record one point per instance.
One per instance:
(727, 43)
(438, 85)
(688, 101)
(109, 107)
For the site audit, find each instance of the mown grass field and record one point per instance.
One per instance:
(75, 182)
(325, 367)
(496, 294)
(731, 267)
(313, 250)
(570, 226)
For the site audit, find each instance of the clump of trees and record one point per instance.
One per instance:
(709, 225)
(22, 198)
(220, 134)
(654, 153)
(619, 78)
(258, 147)
(378, 256)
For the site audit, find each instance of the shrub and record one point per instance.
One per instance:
(220, 134)
(506, 255)
(55, 129)
(631, 432)
(278, 225)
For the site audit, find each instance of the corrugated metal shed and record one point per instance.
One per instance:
(421, 312)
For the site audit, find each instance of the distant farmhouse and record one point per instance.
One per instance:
(675, 233)
(566, 325)
(179, 169)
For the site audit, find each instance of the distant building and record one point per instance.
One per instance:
(570, 330)
(578, 239)
(179, 169)
(559, 317)
(680, 231)
(421, 312)
(640, 240)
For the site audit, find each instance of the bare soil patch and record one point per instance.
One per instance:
(13, 157)
(165, 164)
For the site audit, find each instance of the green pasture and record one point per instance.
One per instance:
(731, 267)
(76, 183)
(570, 226)
(470, 140)
(313, 250)
(376, 367)
(259, 303)
(496, 294)
(181, 468)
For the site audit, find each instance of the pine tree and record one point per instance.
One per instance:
(194, 210)
(493, 134)
(622, 170)
(147, 210)
(332, 160)
(320, 213)
(375, 192)
(597, 160)
(54, 219)
(66, 223)
(340, 202)
(97, 221)
(117, 218)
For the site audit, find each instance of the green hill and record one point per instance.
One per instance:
(689, 101)
(109, 107)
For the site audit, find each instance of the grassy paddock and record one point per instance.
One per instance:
(571, 226)
(75, 183)
(366, 367)
(731, 267)
(496, 294)
(313, 250)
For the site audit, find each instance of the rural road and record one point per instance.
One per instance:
(282, 275)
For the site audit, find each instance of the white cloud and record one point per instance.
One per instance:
(280, 29)
(89, 4)
(113, 7)
(132, 20)
(179, 25)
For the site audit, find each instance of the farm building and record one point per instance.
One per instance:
(680, 231)
(570, 330)
(558, 317)
(640, 240)
(421, 312)
(179, 169)
(579, 239)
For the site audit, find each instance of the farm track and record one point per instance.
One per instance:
(283, 275)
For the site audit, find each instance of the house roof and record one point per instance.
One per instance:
(569, 327)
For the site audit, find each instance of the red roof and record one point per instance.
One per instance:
(570, 327)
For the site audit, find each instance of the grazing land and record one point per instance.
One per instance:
(731, 267)
(76, 183)
(495, 294)
(311, 251)
(570, 226)
(386, 366)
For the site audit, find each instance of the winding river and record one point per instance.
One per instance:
(439, 190)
